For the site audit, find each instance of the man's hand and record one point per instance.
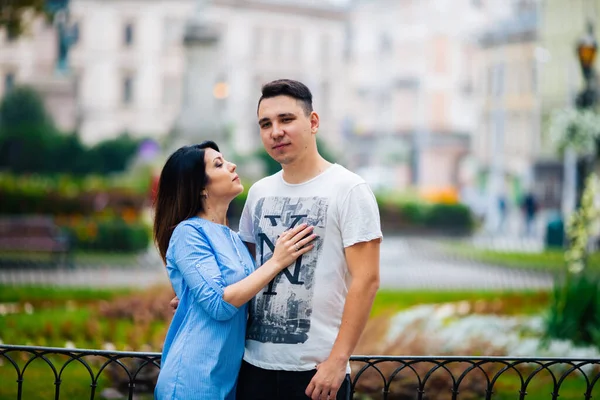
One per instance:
(327, 381)
(174, 303)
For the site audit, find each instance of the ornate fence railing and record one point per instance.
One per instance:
(101, 374)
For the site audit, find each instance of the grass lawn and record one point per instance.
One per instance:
(549, 260)
(53, 294)
(55, 320)
(84, 258)
(513, 302)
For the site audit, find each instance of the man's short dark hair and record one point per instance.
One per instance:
(291, 88)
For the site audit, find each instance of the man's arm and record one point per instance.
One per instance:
(363, 265)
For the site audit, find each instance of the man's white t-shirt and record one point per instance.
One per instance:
(294, 321)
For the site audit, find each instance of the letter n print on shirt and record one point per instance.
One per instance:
(281, 312)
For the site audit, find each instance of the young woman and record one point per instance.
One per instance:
(211, 271)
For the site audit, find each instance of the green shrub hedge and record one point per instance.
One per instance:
(425, 216)
(107, 234)
(64, 195)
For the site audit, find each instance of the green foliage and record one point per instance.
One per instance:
(21, 107)
(575, 309)
(36, 294)
(574, 128)
(112, 234)
(113, 154)
(449, 216)
(550, 260)
(66, 195)
(581, 225)
(514, 302)
(26, 132)
(414, 213)
(12, 15)
(574, 312)
(410, 212)
(30, 143)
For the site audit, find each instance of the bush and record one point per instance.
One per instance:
(575, 309)
(107, 234)
(399, 214)
(452, 216)
(414, 213)
(63, 195)
(31, 143)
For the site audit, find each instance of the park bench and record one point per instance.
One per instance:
(34, 234)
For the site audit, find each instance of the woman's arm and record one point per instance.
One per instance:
(288, 247)
(196, 260)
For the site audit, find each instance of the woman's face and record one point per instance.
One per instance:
(223, 182)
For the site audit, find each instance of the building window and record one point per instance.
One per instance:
(127, 90)
(9, 82)
(128, 34)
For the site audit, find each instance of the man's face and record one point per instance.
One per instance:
(286, 131)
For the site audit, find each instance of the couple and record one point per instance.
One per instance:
(285, 329)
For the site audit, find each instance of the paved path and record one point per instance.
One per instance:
(420, 263)
(405, 263)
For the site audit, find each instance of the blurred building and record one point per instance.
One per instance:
(31, 59)
(149, 68)
(124, 63)
(411, 81)
(262, 40)
(563, 24)
(129, 63)
(508, 139)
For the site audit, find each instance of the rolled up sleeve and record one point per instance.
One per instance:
(195, 259)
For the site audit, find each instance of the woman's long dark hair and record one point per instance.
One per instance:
(179, 194)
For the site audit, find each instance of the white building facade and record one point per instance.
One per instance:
(128, 63)
(412, 75)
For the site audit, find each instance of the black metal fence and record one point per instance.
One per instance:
(132, 375)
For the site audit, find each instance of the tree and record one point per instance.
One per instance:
(22, 106)
(28, 137)
(13, 14)
(113, 155)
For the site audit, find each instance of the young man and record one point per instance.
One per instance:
(304, 325)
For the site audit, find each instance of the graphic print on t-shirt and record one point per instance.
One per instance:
(281, 312)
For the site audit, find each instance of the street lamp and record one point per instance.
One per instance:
(586, 52)
(574, 169)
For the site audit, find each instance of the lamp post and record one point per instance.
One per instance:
(587, 48)
(586, 52)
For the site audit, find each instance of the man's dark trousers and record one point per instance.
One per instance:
(264, 384)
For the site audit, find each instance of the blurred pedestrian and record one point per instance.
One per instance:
(529, 207)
